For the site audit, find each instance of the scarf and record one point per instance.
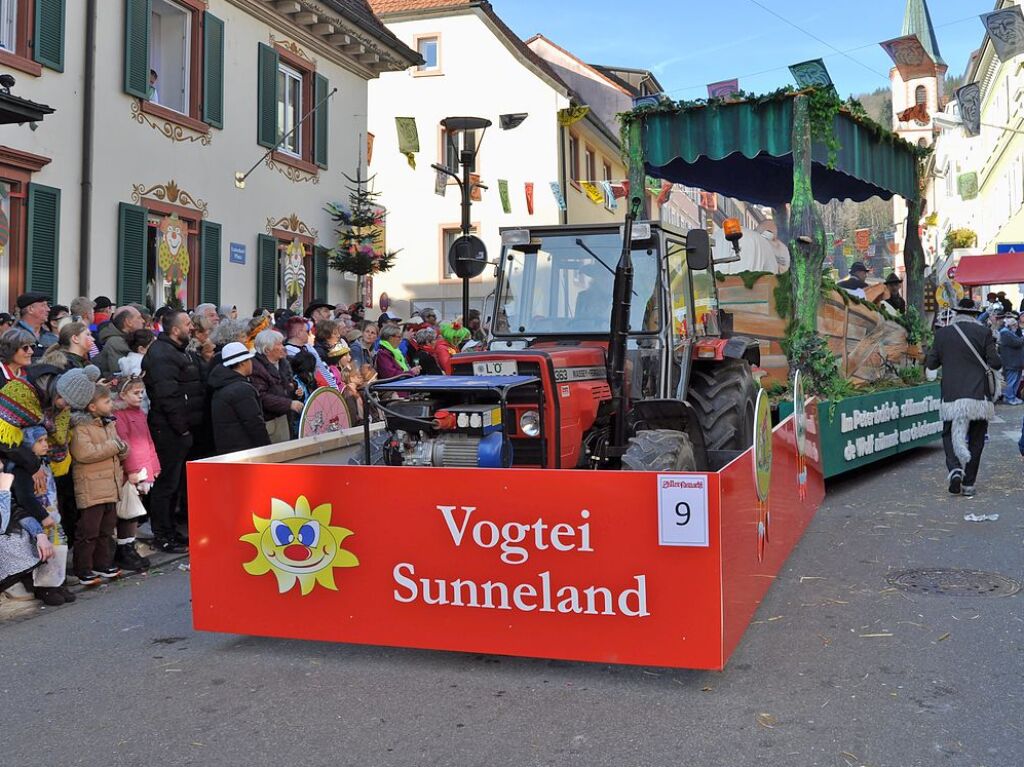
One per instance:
(397, 354)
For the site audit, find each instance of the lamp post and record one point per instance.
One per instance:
(467, 158)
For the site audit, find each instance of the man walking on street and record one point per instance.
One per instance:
(176, 411)
(966, 351)
(1011, 352)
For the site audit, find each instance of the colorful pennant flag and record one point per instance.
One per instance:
(556, 190)
(369, 148)
(408, 139)
(847, 249)
(1006, 30)
(609, 195)
(440, 183)
(666, 192)
(811, 74)
(593, 193)
(529, 197)
(723, 89)
(621, 190)
(506, 203)
(910, 57)
(572, 115)
(709, 201)
(968, 98)
(863, 239)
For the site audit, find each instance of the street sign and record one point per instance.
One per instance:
(237, 253)
(467, 256)
(1010, 247)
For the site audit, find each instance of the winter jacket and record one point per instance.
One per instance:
(387, 365)
(443, 352)
(23, 464)
(133, 429)
(275, 389)
(361, 355)
(63, 359)
(425, 358)
(96, 451)
(115, 346)
(963, 377)
(236, 416)
(1011, 349)
(175, 388)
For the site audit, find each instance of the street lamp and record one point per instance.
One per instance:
(465, 265)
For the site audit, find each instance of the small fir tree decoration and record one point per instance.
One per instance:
(360, 229)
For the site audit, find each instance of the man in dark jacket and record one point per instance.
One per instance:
(114, 339)
(966, 406)
(1011, 352)
(237, 417)
(857, 280)
(176, 408)
(894, 285)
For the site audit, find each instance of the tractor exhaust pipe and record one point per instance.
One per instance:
(621, 304)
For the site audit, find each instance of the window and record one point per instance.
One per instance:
(920, 95)
(606, 172)
(574, 158)
(289, 109)
(32, 35)
(591, 166)
(30, 225)
(452, 143)
(8, 24)
(429, 49)
(174, 61)
(288, 89)
(170, 56)
(450, 234)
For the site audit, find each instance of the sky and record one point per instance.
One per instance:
(689, 43)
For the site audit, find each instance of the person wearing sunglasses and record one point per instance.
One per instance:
(16, 348)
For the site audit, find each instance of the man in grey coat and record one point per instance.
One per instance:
(965, 350)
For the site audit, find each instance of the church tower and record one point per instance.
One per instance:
(927, 90)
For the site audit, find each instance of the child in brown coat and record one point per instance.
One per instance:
(96, 453)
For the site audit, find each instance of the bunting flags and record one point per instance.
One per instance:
(408, 139)
(609, 195)
(440, 183)
(666, 192)
(621, 190)
(862, 237)
(910, 57)
(811, 74)
(529, 197)
(709, 201)
(968, 98)
(1006, 30)
(369, 148)
(556, 190)
(917, 112)
(593, 193)
(723, 89)
(506, 204)
(572, 115)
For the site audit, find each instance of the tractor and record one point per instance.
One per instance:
(606, 351)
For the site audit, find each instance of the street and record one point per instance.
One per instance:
(839, 667)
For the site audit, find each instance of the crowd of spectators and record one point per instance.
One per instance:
(102, 406)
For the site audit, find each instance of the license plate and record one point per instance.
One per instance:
(496, 368)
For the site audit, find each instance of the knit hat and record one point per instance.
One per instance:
(33, 434)
(19, 409)
(78, 387)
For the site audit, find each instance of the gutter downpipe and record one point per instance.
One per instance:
(88, 125)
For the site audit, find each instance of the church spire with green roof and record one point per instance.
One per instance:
(917, 21)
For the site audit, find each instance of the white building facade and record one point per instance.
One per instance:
(143, 204)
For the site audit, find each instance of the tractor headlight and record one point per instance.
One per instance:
(529, 423)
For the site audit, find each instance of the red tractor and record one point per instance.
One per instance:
(607, 351)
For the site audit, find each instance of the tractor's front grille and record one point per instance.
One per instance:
(528, 452)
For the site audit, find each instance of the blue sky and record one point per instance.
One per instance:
(688, 43)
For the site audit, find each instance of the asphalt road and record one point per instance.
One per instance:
(838, 669)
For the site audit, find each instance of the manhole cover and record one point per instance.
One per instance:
(950, 582)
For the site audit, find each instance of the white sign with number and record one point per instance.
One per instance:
(683, 510)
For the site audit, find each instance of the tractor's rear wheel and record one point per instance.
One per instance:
(723, 394)
(660, 450)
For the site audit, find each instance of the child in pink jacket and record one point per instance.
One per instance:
(141, 465)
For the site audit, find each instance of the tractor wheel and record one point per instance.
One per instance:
(723, 394)
(660, 450)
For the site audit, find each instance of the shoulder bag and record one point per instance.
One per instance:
(993, 380)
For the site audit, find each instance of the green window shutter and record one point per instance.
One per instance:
(266, 97)
(136, 47)
(43, 239)
(213, 70)
(131, 254)
(320, 273)
(266, 273)
(48, 43)
(320, 122)
(209, 259)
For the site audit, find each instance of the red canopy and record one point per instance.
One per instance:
(1000, 269)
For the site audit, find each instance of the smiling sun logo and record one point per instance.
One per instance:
(298, 546)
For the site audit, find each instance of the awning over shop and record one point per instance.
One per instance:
(745, 150)
(1000, 269)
